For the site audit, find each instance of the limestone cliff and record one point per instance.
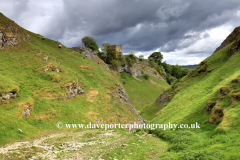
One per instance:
(89, 53)
(140, 68)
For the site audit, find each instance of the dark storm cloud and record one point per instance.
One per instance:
(142, 25)
(138, 25)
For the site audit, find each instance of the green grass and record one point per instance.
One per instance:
(143, 92)
(7, 85)
(135, 145)
(22, 69)
(150, 111)
(218, 137)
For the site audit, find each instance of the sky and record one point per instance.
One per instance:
(184, 31)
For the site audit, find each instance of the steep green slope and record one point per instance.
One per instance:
(150, 111)
(41, 74)
(141, 91)
(209, 95)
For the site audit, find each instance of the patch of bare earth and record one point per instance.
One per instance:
(154, 83)
(137, 79)
(92, 95)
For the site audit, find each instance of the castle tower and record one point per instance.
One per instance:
(114, 52)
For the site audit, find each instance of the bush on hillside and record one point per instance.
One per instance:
(141, 57)
(115, 64)
(151, 62)
(146, 76)
(131, 58)
(175, 70)
(90, 43)
(157, 57)
(102, 55)
(169, 78)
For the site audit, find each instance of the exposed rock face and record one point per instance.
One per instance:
(141, 68)
(7, 39)
(11, 95)
(124, 99)
(234, 48)
(1, 39)
(53, 68)
(26, 111)
(138, 69)
(45, 58)
(122, 94)
(231, 38)
(162, 99)
(89, 53)
(11, 34)
(73, 91)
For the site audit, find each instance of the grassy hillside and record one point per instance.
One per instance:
(209, 95)
(150, 111)
(142, 92)
(25, 70)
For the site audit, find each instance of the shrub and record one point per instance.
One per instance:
(131, 58)
(90, 43)
(169, 78)
(151, 62)
(115, 64)
(157, 57)
(141, 57)
(160, 70)
(146, 76)
(102, 55)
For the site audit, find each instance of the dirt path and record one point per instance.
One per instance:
(62, 146)
(87, 144)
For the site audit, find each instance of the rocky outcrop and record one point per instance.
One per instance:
(8, 96)
(231, 38)
(234, 48)
(139, 69)
(7, 39)
(89, 53)
(73, 91)
(163, 98)
(122, 94)
(52, 67)
(11, 34)
(124, 99)
(26, 111)
(1, 39)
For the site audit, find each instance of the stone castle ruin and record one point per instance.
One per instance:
(114, 52)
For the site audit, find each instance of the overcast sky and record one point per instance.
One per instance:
(185, 31)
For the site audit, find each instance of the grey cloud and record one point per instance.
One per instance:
(138, 25)
(19, 7)
(115, 21)
(167, 11)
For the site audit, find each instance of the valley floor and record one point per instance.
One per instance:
(88, 144)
